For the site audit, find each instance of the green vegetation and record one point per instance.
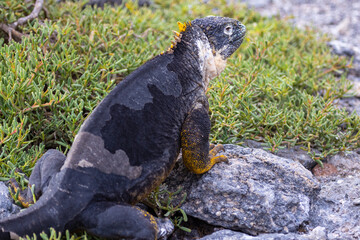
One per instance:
(58, 236)
(279, 87)
(163, 203)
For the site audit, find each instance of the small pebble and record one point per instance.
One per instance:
(356, 202)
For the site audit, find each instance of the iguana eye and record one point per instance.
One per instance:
(228, 30)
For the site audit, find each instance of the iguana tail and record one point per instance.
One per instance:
(55, 208)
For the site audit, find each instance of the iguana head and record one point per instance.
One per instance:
(225, 35)
(208, 41)
(215, 39)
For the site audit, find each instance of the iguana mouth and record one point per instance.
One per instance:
(240, 39)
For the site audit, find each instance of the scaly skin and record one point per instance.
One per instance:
(130, 142)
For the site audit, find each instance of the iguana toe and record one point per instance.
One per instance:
(214, 151)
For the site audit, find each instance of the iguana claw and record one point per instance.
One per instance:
(214, 151)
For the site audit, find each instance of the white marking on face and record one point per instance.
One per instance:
(220, 63)
(211, 66)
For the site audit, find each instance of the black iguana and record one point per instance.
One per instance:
(130, 142)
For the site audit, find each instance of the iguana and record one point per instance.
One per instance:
(130, 142)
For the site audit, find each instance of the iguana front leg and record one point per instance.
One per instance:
(195, 141)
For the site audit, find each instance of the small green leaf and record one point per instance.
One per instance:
(184, 215)
(185, 229)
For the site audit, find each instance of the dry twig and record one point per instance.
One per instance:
(34, 14)
(10, 29)
(11, 32)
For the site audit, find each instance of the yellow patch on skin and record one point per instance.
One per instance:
(176, 33)
(193, 159)
(177, 37)
(198, 165)
(150, 217)
(182, 26)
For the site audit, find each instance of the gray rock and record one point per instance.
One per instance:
(232, 235)
(295, 153)
(341, 48)
(356, 202)
(339, 18)
(257, 192)
(7, 207)
(355, 91)
(345, 162)
(318, 233)
(165, 228)
(257, 189)
(257, 3)
(253, 144)
(351, 104)
(336, 208)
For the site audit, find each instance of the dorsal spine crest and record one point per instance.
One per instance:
(182, 26)
(177, 36)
